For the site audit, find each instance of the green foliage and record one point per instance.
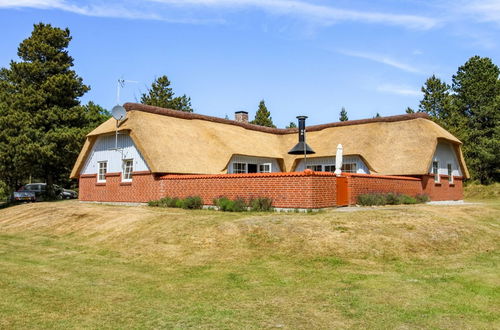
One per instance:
(343, 115)
(263, 116)
(292, 125)
(4, 191)
(261, 204)
(191, 202)
(377, 115)
(227, 205)
(160, 94)
(390, 199)
(482, 192)
(42, 125)
(471, 113)
(409, 110)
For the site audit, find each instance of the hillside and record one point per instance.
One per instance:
(69, 264)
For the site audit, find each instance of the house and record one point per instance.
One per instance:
(160, 152)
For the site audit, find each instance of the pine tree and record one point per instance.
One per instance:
(292, 125)
(343, 115)
(263, 116)
(377, 115)
(160, 94)
(436, 101)
(42, 125)
(409, 110)
(475, 117)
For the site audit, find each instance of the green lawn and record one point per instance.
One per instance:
(73, 265)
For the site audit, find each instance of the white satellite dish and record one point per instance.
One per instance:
(118, 112)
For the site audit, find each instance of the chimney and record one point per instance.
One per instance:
(241, 116)
(301, 148)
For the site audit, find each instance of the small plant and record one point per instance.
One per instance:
(422, 198)
(239, 205)
(390, 199)
(261, 204)
(372, 199)
(192, 202)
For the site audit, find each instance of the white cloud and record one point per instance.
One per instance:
(399, 90)
(483, 10)
(114, 10)
(379, 58)
(319, 13)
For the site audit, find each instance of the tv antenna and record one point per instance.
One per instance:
(118, 112)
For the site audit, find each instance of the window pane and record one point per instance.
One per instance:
(315, 168)
(265, 168)
(127, 169)
(329, 168)
(239, 168)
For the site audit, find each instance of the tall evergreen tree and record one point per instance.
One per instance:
(42, 125)
(436, 101)
(292, 125)
(409, 110)
(343, 115)
(476, 116)
(263, 116)
(160, 94)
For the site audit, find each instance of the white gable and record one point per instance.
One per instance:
(103, 150)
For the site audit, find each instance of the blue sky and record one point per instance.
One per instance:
(303, 57)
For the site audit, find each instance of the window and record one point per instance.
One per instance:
(265, 168)
(128, 167)
(315, 168)
(330, 168)
(103, 169)
(239, 168)
(435, 169)
(349, 168)
(450, 174)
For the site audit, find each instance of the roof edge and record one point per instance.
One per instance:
(188, 115)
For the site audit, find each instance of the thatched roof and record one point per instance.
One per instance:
(178, 142)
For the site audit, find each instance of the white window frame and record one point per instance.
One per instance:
(99, 168)
(240, 171)
(354, 168)
(310, 167)
(435, 171)
(269, 166)
(450, 173)
(331, 165)
(126, 173)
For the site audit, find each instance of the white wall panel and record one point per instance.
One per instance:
(253, 160)
(444, 155)
(360, 165)
(103, 151)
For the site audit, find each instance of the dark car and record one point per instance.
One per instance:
(69, 194)
(36, 192)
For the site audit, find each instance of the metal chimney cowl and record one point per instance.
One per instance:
(302, 147)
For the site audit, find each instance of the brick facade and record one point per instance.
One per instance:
(306, 189)
(367, 184)
(444, 190)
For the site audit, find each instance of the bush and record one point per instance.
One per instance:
(390, 199)
(192, 202)
(422, 198)
(372, 199)
(226, 205)
(261, 204)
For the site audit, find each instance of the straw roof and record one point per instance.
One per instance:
(178, 142)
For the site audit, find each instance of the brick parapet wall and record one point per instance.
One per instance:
(444, 190)
(306, 189)
(359, 184)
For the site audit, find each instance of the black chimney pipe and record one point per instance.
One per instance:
(302, 147)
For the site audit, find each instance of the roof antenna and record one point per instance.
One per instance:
(118, 112)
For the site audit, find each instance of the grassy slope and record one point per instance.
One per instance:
(68, 264)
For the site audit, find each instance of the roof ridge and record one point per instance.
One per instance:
(188, 115)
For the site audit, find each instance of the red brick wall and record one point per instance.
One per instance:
(287, 190)
(443, 191)
(359, 184)
(144, 187)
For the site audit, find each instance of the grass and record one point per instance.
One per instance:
(73, 265)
